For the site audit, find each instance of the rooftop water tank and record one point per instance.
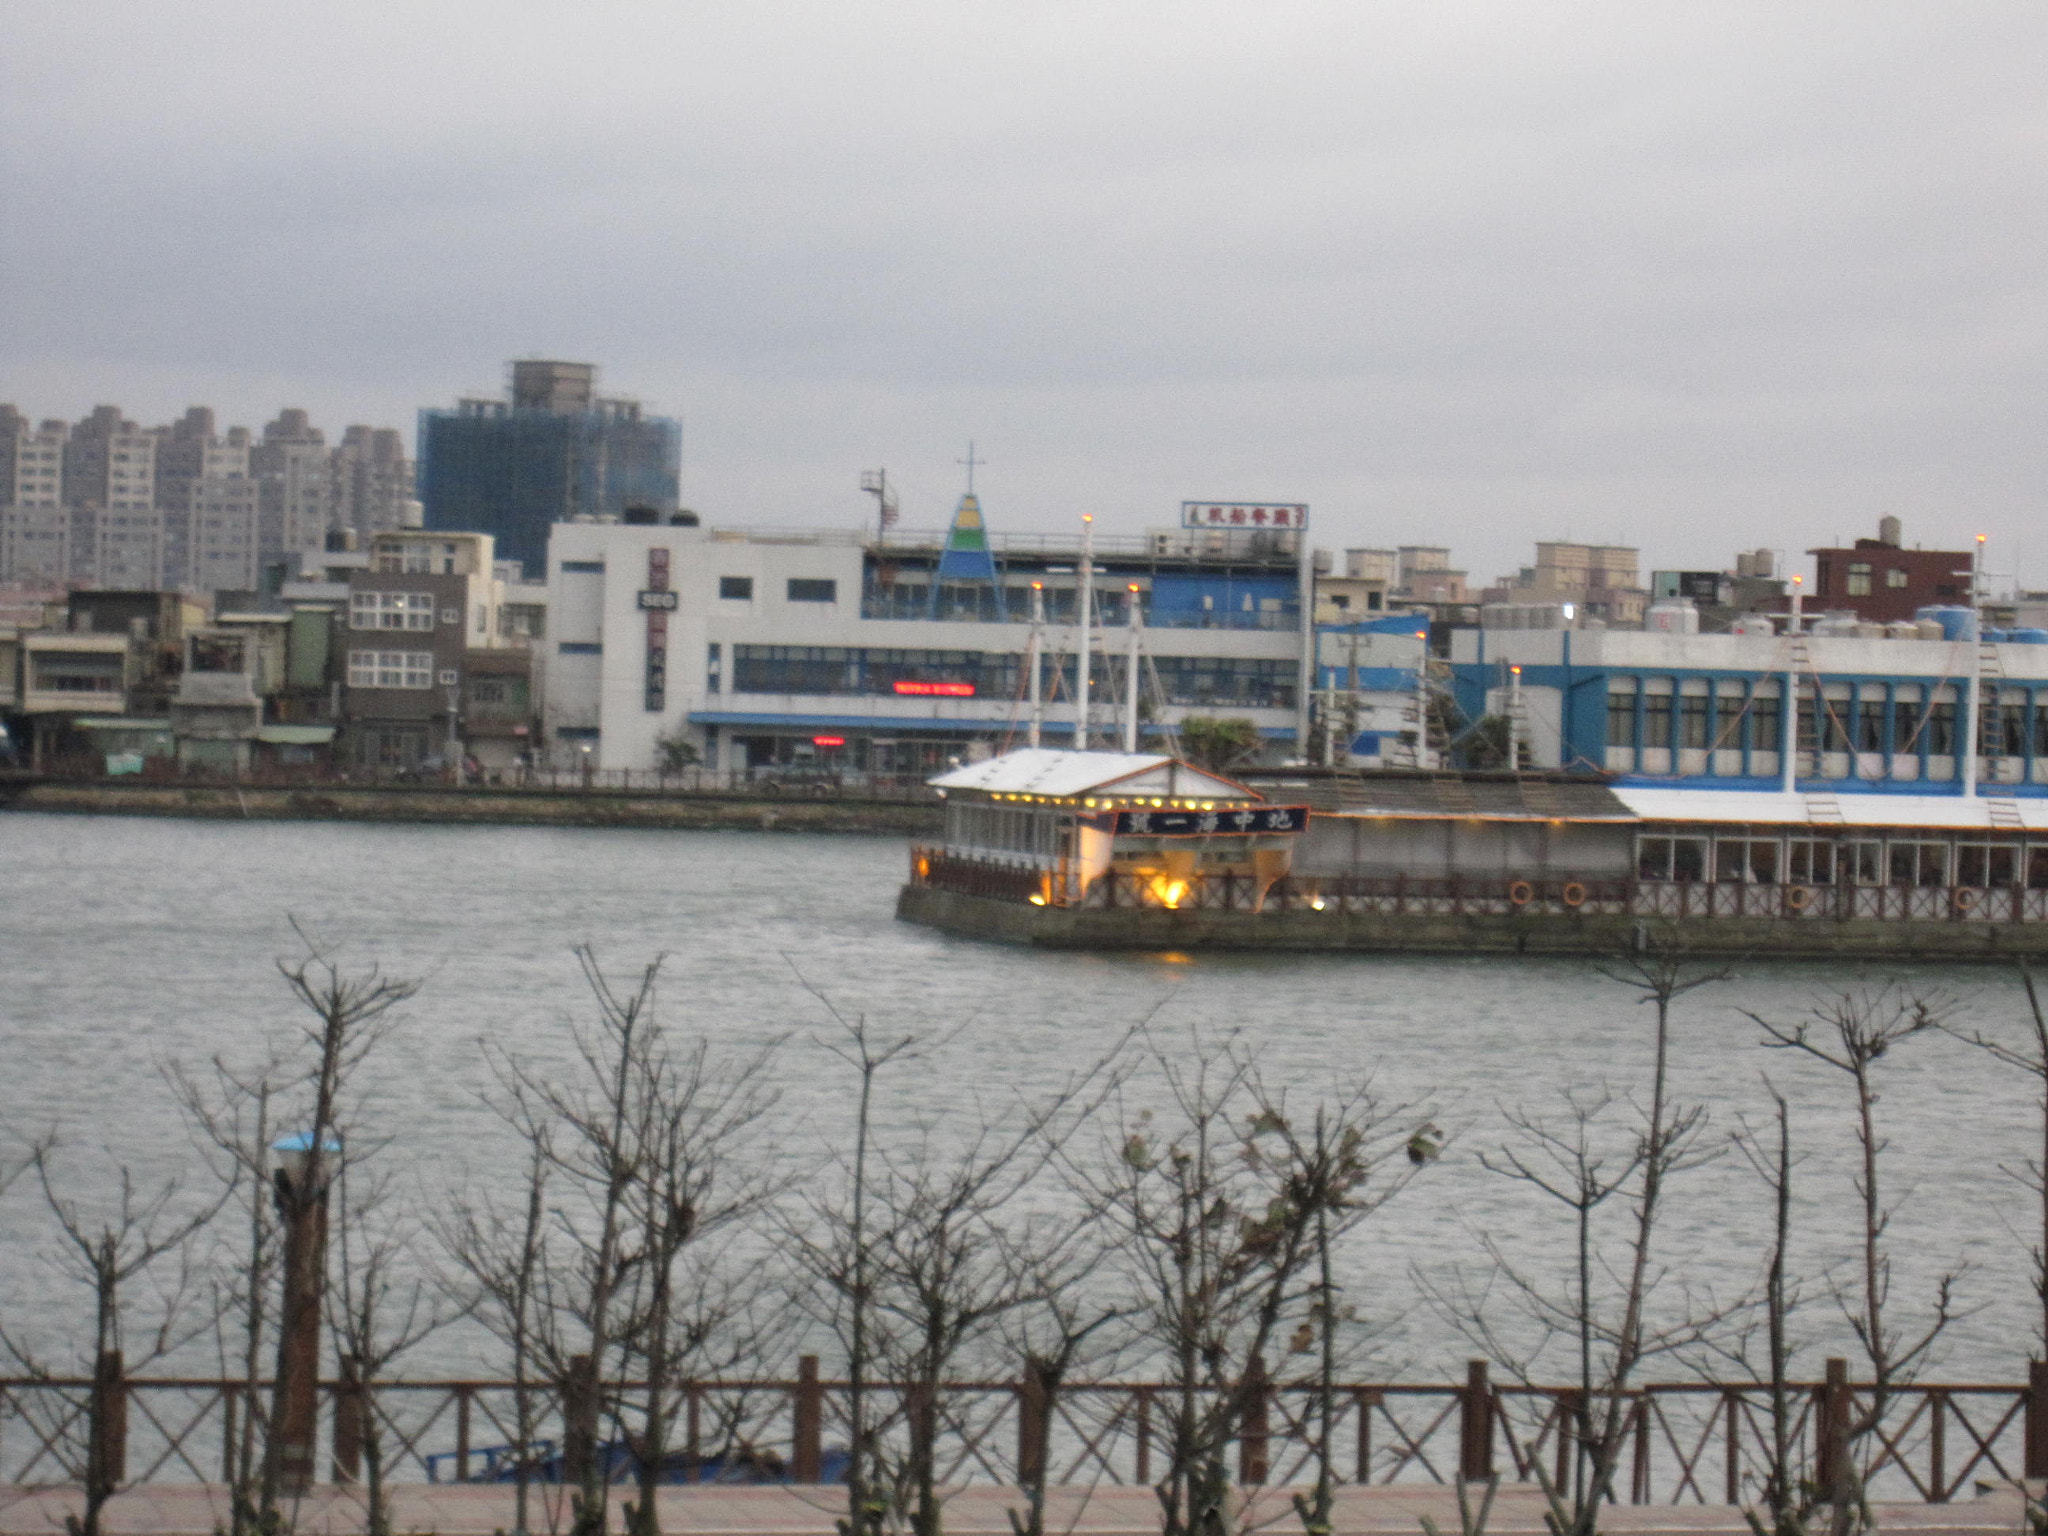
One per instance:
(1956, 623)
(1903, 629)
(1672, 618)
(2027, 636)
(1753, 624)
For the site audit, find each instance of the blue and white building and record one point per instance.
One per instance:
(850, 651)
(1870, 715)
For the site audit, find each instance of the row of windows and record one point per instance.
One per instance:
(1195, 681)
(798, 589)
(1890, 861)
(1873, 719)
(395, 669)
(391, 610)
(1858, 582)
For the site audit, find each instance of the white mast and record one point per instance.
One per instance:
(1514, 720)
(1973, 707)
(1033, 662)
(1131, 677)
(1087, 597)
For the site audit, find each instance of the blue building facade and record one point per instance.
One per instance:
(550, 454)
(1872, 716)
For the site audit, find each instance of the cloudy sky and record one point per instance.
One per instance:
(1694, 277)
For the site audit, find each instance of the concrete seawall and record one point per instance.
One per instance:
(484, 807)
(1529, 933)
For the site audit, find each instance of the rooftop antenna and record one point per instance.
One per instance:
(970, 461)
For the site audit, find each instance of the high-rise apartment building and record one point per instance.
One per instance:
(105, 503)
(551, 451)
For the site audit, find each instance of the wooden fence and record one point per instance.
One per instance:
(1688, 1442)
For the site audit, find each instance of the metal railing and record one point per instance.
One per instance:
(1492, 895)
(1685, 1442)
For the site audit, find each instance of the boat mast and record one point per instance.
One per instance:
(1131, 676)
(1033, 661)
(1973, 709)
(1087, 585)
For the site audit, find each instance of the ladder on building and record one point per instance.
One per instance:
(1823, 807)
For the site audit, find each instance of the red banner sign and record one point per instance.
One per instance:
(938, 690)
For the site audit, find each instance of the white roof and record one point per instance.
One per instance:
(1851, 809)
(1048, 771)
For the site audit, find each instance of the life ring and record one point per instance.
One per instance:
(1521, 893)
(1573, 894)
(1797, 897)
(1963, 900)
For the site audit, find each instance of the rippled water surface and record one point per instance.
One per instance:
(129, 944)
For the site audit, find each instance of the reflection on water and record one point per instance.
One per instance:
(131, 943)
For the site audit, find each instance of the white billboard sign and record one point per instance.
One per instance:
(1243, 514)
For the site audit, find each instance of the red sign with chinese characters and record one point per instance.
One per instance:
(938, 690)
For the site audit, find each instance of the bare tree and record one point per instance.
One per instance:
(847, 1272)
(233, 1113)
(2032, 1059)
(1788, 1494)
(353, 1011)
(1851, 1033)
(141, 1237)
(1066, 1324)
(1215, 1206)
(647, 1145)
(1611, 1310)
(503, 1254)
(382, 1303)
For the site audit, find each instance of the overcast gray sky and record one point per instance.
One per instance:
(1693, 277)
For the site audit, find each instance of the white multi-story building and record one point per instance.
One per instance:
(834, 649)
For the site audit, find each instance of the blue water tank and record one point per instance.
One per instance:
(1992, 636)
(2027, 636)
(1956, 623)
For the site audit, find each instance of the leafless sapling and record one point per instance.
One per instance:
(1851, 1033)
(132, 1237)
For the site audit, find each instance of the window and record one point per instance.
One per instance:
(809, 589)
(1693, 721)
(1895, 578)
(390, 669)
(490, 690)
(583, 567)
(1766, 724)
(1657, 720)
(448, 678)
(1859, 579)
(1621, 714)
(452, 616)
(1941, 729)
(391, 610)
(580, 648)
(740, 589)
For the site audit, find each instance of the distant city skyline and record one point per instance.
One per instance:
(1478, 273)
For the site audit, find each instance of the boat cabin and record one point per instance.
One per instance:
(1060, 828)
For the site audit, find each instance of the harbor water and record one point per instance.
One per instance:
(129, 945)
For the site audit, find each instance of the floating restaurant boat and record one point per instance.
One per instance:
(1101, 850)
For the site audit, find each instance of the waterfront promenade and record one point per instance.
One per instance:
(481, 1509)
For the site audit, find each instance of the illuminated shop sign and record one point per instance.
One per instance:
(935, 690)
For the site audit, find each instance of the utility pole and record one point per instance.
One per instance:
(1131, 675)
(1034, 662)
(1086, 580)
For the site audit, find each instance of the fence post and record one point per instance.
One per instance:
(579, 1420)
(348, 1423)
(806, 1461)
(2037, 1419)
(107, 1430)
(1475, 1425)
(1034, 1408)
(1831, 1432)
(1252, 1460)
